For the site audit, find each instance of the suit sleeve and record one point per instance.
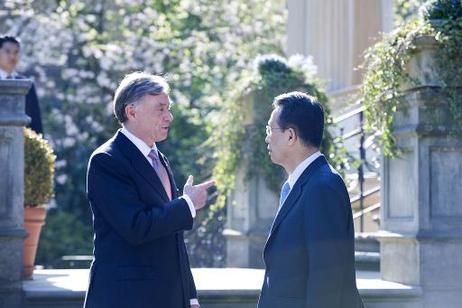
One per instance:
(33, 110)
(192, 285)
(113, 195)
(329, 241)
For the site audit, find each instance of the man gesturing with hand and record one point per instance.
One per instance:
(197, 193)
(140, 258)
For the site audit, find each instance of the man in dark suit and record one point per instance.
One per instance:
(140, 257)
(309, 254)
(9, 59)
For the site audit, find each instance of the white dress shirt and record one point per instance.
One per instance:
(293, 177)
(4, 74)
(145, 150)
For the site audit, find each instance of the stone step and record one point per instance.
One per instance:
(367, 252)
(367, 261)
(366, 242)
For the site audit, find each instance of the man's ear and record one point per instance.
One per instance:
(292, 136)
(130, 111)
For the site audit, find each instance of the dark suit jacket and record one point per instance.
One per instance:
(33, 108)
(140, 254)
(309, 254)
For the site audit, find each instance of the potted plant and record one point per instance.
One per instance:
(38, 189)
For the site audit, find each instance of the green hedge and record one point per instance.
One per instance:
(38, 169)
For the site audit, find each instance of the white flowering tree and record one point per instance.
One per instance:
(406, 9)
(78, 50)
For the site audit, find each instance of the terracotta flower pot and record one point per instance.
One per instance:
(34, 219)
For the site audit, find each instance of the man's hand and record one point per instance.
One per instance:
(195, 306)
(197, 193)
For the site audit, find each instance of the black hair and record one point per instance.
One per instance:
(304, 114)
(9, 39)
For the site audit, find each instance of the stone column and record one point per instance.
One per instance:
(421, 241)
(250, 211)
(12, 120)
(336, 33)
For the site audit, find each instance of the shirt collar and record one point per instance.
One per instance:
(4, 74)
(293, 177)
(140, 144)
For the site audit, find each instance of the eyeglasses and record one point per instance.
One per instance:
(269, 129)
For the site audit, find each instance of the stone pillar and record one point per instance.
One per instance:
(12, 120)
(250, 211)
(421, 241)
(336, 33)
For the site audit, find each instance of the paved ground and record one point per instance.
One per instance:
(73, 282)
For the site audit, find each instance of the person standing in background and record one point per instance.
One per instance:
(9, 59)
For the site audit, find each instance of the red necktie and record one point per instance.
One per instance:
(161, 172)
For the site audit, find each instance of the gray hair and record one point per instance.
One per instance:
(133, 87)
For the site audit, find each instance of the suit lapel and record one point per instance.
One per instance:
(294, 195)
(286, 206)
(140, 163)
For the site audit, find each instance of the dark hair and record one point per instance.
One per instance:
(9, 39)
(133, 87)
(304, 114)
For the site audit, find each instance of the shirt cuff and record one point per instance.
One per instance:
(190, 204)
(193, 301)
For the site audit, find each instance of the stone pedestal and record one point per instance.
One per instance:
(421, 241)
(250, 211)
(12, 120)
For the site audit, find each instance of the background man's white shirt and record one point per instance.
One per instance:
(4, 74)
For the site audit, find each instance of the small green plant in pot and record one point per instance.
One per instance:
(39, 162)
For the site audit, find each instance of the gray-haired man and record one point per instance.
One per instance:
(138, 217)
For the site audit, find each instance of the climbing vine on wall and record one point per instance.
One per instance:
(238, 143)
(385, 66)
